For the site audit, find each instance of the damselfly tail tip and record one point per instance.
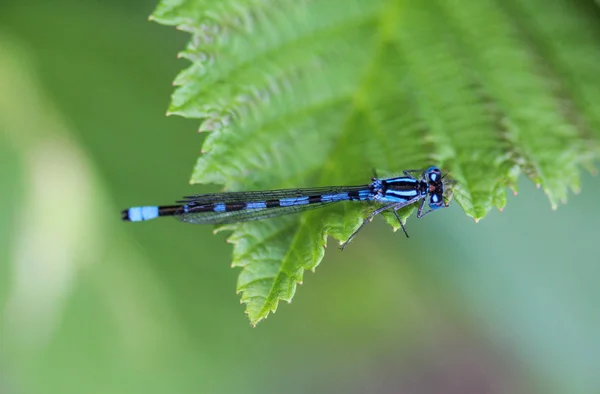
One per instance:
(125, 215)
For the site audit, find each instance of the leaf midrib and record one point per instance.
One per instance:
(392, 14)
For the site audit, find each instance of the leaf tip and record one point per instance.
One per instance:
(476, 220)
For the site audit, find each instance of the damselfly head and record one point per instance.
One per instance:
(440, 187)
(435, 187)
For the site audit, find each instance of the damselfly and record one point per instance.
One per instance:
(219, 208)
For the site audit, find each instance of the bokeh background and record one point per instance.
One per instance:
(89, 304)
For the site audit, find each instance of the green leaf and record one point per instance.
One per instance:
(307, 93)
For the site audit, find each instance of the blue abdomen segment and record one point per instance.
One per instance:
(138, 214)
(335, 197)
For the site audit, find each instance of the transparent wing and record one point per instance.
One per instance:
(208, 217)
(262, 195)
(199, 209)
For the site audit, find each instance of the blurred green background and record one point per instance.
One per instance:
(89, 304)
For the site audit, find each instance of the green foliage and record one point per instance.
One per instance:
(303, 93)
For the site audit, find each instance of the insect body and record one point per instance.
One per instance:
(231, 207)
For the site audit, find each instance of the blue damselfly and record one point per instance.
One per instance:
(231, 207)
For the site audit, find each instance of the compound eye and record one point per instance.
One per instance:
(436, 201)
(434, 174)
